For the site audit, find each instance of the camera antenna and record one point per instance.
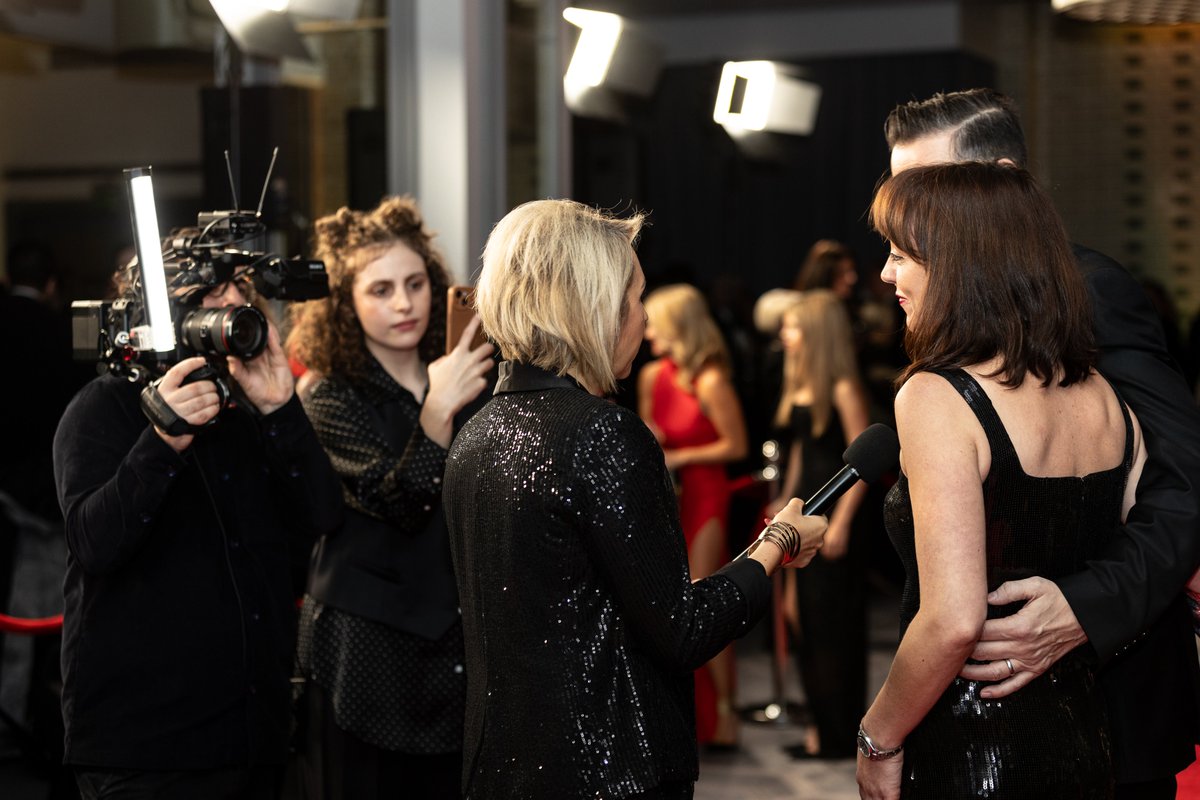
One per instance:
(266, 182)
(232, 187)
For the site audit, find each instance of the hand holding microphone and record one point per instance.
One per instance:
(798, 534)
(874, 452)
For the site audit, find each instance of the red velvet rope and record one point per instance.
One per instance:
(30, 627)
(44, 625)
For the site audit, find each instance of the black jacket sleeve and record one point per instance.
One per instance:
(307, 490)
(632, 534)
(401, 488)
(1121, 594)
(112, 472)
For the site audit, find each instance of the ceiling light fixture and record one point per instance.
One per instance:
(1130, 12)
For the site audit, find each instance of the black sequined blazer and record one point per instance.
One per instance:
(581, 621)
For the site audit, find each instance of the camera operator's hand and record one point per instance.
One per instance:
(266, 379)
(455, 379)
(196, 403)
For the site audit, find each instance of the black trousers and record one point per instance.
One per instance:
(254, 783)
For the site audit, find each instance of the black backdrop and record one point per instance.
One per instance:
(718, 210)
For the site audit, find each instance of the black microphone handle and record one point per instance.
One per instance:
(831, 492)
(825, 497)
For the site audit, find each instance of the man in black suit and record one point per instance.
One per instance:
(1128, 606)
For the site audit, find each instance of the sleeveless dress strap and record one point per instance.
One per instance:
(1004, 454)
(1003, 451)
(1128, 464)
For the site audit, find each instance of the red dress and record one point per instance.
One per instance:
(703, 493)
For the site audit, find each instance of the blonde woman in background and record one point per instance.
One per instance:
(824, 408)
(687, 399)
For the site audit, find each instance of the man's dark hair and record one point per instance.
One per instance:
(983, 122)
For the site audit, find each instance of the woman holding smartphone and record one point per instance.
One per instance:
(380, 641)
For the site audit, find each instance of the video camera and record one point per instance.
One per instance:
(157, 320)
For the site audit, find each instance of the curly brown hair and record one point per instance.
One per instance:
(326, 335)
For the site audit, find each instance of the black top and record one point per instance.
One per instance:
(581, 621)
(178, 631)
(820, 456)
(969, 747)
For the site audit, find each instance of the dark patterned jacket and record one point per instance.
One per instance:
(389, 562)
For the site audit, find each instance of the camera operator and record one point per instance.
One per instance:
(179, 622)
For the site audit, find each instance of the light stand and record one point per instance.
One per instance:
(779, 710)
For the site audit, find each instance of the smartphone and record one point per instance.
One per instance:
(460, 309)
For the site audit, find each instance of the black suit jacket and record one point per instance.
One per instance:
(1129, 601)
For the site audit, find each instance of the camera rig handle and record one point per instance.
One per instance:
(163, 417)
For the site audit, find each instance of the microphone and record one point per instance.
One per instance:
(872, 453)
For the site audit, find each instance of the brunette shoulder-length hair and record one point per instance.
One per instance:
(1001, 277)
(326, 335)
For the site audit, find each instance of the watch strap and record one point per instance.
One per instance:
(873, 752)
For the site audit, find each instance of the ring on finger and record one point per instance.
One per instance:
(1011, 669)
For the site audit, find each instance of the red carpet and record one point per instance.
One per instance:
(1189, 781)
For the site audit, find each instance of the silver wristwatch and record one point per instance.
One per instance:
(871, 752)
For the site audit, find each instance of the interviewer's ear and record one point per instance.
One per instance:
(1006, 162)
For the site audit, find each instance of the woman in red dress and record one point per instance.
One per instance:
(687, 398)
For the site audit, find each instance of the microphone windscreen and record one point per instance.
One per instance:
(874, 452)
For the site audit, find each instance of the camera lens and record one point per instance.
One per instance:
(237, 331)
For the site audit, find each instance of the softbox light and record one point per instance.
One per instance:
(765, 96)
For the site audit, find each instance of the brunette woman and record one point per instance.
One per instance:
(1017, 459)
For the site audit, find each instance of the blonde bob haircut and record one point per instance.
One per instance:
(681, 313)
(552, 289)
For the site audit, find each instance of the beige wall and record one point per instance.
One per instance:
(1112, 113)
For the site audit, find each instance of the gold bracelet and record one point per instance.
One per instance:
(783, 535)
(791, 539)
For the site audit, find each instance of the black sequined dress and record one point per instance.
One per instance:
(1050, 739)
